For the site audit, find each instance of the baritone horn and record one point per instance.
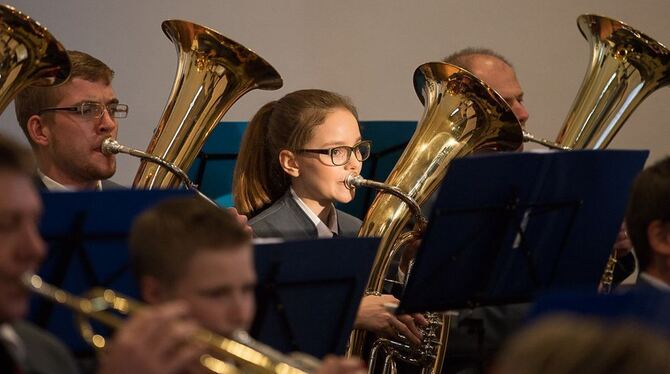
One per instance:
(29, 55)
(108, 308)
(213, 72)
(625, 67)
(462, 115)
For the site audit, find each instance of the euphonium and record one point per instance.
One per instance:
(462, 115)
(626, 66)
(238, 354)
(29, 55)
(213, 72)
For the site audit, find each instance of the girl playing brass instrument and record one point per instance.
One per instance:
(293, 160)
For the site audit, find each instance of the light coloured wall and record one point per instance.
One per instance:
(367, 50)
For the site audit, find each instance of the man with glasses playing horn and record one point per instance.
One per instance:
(152, 341)
(66, 125)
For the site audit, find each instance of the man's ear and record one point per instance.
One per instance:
(289, 163)
(38, 131)
(152, 290)
(658, 234)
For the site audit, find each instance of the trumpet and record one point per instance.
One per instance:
(238, 354)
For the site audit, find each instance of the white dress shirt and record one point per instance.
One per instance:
(323, 230)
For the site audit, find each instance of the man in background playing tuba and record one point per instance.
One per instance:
(477, 334)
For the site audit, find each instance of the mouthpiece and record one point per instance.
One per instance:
(528, 137)
(352, 181)
(110, 147)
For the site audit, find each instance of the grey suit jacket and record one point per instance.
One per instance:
(285, 219)
(45, 354)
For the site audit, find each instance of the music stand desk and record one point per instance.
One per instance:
(87, 233)
(309, 292)
(506, 226)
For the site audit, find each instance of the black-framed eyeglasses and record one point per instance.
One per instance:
(340, 155)
(93, 110)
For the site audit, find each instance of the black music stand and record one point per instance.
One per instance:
(506, 226)
(87, 237)
(309, 292)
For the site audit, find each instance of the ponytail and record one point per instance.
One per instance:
(258, 179)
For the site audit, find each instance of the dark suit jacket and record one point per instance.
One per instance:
(644, 286)
(476, 335)
(285, 219)
(106, 185)
(45, 354)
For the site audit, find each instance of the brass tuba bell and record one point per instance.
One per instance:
(462, 116)
(626, 66)
(212, 73)
(29, 55)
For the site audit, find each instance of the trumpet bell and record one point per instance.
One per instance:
(626, 66)
(213, 73)
(29, 55)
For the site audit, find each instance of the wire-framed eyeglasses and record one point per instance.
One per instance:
(92, 110)
(341, 154)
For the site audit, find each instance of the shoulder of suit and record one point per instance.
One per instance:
(269, 212)
(348, 224)
(44, 350)
(31, 334)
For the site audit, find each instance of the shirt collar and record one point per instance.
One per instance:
(657, 283)
(54, 186)
(323, 230)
